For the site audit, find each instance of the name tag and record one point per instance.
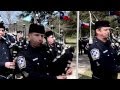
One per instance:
(105, 51)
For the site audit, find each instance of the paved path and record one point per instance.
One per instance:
(83, 66)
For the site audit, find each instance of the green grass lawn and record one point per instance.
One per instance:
(86, 75)
(71, 40)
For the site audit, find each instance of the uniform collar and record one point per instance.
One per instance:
(37, 48)
(107, 43)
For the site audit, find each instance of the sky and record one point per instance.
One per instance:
(13, 14)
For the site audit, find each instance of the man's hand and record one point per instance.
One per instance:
(10, 65)
(69, 71)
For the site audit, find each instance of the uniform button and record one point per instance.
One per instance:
(68, 65)
(111, 53)
(114, 58)
(47, 73)
(108, 55)
(50, 49)
(4, 52)
(6, 57)
(58, 57)
(58, 45)
(44, 58)
(97, 64)
(37, 63)
(46, 65)
(3, 48)
(48, 52)
(59, 52)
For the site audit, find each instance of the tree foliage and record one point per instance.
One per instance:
(70, 26)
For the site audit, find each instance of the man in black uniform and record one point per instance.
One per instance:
(60, 65)
(102, 56)
(34, 61)
(53, 46)
(7, 63)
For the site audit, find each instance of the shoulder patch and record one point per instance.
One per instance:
(21, 62)
(95, 54)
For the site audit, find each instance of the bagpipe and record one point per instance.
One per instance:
(15, 47)
(63, 60)
(66, 50)
(10, 44)
(115, 43)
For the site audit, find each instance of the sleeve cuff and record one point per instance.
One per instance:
(2, 64)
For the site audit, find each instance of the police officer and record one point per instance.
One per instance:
(54, 46)
(102, 56)
(59, 66)
(33, 62)
(7, 63)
